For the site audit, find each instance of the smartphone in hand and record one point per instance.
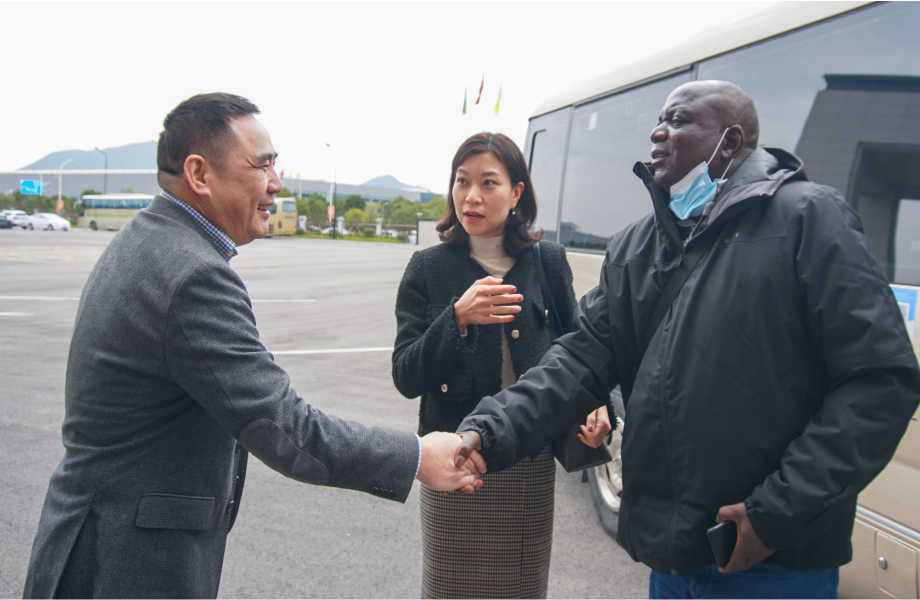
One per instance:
(723, 538)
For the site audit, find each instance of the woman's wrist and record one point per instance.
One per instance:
(461, 323)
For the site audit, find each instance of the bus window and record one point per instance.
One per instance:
(907, 243)
(273, 209)
(784, 76)
(288, 206)
(602, 195)
(547, 147)
(845, 96)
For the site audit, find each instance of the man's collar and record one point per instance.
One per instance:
(221, 240)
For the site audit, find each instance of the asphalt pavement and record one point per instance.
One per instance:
(290, 539)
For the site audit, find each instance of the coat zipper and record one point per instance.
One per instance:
(665, 421)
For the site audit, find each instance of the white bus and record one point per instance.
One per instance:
(838, 84)
(110, 211)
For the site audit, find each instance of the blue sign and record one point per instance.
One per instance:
(30, 188)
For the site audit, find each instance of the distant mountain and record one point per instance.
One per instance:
(132, 156)
(388, 181)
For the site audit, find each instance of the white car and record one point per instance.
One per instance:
(18, 218)
(48, 221)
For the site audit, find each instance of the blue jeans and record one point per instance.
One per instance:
(760, 581)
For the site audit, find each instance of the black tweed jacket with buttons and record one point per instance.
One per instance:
(450, 373)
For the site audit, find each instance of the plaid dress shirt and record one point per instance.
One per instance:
(225, 245)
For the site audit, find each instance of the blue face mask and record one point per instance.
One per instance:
(690, 195)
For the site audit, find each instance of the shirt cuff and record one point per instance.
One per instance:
(419, 465)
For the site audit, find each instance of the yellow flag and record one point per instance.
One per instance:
(498, 100)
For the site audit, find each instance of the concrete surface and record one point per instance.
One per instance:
(290, 540)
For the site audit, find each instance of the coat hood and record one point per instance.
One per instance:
(761, 174)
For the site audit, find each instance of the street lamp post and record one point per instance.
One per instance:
(105, 172)
(60, 202)
(335, 177)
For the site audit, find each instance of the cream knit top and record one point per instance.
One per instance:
(490, 254)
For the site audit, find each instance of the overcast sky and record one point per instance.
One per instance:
(382, 82)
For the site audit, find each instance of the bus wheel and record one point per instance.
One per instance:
(606, 483)
(93, 226)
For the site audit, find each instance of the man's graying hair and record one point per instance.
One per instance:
(199, 125)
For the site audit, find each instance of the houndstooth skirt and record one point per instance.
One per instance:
(495, 543)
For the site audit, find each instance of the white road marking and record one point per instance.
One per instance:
(75, 299)
(332, 351)
(12, 314)
(52, 298)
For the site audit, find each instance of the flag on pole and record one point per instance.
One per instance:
(60, 206)
(481, 84)
(498, 100)
(464, 100)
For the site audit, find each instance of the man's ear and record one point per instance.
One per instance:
(197, 174)
(734, 142)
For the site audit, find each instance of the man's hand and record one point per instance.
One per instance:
(441, 469)
(749, 550)
(596, 428)
(470, 446)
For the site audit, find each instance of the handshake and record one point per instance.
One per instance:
(451, 463)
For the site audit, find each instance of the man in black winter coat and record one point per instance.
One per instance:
(770, 389)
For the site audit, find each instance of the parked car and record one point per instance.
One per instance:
(49, 222)
(19, 218)
(5, 223)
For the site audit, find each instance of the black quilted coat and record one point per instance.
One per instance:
(782, 375)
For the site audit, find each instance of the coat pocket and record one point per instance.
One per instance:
(454, 386)
(172, 511)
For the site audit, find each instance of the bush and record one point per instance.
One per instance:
(369, 232)
(299, 231)
(403, 237)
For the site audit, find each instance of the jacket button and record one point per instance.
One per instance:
(515, 334)
(444, 387)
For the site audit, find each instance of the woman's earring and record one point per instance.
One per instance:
(512, 212)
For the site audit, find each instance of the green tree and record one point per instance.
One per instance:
(354, 201)
(401, 210)
(314, 207)
(353, 216)
(435, 208)
(284, 193)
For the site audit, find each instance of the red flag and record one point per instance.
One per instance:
(480, 89)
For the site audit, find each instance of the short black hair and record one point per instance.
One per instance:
(199, 125)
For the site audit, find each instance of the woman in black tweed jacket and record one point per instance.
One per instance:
(471, 320)
(452, 373)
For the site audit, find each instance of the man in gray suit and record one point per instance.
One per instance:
(168, 386)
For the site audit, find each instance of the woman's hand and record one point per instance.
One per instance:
(487, 301)
(596, 429)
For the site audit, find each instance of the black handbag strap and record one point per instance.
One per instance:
(547, 294)
(685, 266)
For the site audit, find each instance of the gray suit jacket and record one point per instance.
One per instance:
(168, 387)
